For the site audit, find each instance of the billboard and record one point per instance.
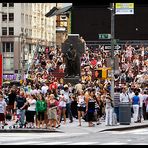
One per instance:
(1, 70)
(124, 8)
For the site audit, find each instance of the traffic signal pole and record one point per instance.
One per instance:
(112, 50)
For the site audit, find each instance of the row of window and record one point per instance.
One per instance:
(11, 30)
(11, 17)
(7, 4)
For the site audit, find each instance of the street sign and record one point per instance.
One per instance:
(124, 8)
(108, 47)
(104, 36)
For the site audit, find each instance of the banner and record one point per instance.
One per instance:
(1, 70)
(124, 8)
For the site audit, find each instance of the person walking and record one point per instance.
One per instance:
(81, 105)
(18, 104)
(52, 105)
(108, 111)
(2, 110)
(41, 107)
(30, 112)
(136, 103)
(90, 108)
(68, 102)
(11, 99)
(62, 108)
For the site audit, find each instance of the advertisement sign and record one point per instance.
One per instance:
(124, 8)
(1, 70)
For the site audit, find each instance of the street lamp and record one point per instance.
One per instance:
(23, 43)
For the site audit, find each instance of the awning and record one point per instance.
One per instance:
(55, 11)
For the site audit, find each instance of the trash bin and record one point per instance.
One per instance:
(125, 113)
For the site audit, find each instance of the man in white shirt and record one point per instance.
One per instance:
(124, 97)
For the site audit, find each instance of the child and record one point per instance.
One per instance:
(2, 110)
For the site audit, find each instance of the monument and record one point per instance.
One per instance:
(73, 48)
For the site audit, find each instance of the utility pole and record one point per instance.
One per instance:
(112, 49)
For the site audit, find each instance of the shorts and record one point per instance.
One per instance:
(40, 116)
(2, 117)
(80, 108)
(52, 114)
(30, 116)
(62, 107)
(10, 107)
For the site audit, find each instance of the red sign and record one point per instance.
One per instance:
(1, 70)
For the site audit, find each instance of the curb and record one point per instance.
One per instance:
(29, 131)
(125, 128)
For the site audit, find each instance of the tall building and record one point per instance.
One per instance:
(23, 27)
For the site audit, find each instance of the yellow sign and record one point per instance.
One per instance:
(125, 5)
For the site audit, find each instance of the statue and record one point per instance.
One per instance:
(73, 48)
(71, 65)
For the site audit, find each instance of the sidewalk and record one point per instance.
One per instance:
(74, 128)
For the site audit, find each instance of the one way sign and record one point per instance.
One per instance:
(108, 47)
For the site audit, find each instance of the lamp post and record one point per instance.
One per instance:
(112, 48)
(1, 59)
(23, 42)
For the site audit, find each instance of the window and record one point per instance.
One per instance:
(11, 16)
(11, 4)
(8, 63)
(4, 4)
(4, 30)
(4, 17)
(8, 46)
(11, 31)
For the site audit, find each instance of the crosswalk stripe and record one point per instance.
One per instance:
(84, 143)
(113, 143)
(54, 143)
(22, 143)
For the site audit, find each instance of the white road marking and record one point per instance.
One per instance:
(83, 143)
(22, 143)
(114, 143)
(54, 143)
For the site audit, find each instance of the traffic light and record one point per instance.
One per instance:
(101, 73)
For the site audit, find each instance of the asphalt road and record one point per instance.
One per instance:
(130, 137)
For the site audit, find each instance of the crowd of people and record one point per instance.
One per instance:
(43, 101)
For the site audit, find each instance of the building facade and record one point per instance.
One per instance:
(23, 26)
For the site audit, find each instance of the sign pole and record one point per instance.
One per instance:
(112, 50)
(1, 69)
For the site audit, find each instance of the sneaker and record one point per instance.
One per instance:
(58, 126)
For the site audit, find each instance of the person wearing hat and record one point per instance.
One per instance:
(2, 110)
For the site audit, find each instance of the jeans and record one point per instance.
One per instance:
(68, 110)
(21, 114)
(116, 109)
